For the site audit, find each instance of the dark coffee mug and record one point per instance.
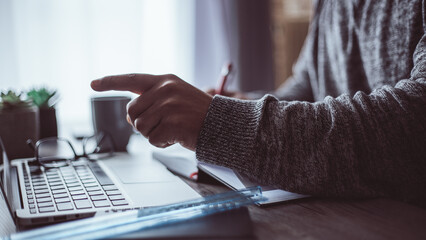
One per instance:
(109, 116)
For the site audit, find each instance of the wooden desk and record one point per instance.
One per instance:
(316, 218)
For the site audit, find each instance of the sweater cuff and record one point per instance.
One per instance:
(228, 134)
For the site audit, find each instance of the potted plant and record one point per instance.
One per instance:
(19, 122)
(45, 100)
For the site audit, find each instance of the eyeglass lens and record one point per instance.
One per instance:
(53, 152)
(98, 146)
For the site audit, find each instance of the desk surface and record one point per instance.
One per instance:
(329, 219)
(316, 218)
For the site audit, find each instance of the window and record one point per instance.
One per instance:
(66, 44)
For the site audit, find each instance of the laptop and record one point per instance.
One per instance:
(86, 188)
(234, 224)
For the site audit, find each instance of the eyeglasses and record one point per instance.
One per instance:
(59, 152)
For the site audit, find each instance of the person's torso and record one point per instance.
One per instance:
(362, 45)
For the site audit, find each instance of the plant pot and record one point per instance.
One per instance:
(16, 127)
(48, 123)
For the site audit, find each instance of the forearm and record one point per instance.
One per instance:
(367, 145)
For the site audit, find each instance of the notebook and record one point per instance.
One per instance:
(234, 180)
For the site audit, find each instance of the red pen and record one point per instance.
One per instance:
(226, 70)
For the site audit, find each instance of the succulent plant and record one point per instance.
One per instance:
(42, 97)
(10, 100)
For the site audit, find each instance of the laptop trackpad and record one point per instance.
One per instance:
(137, 173)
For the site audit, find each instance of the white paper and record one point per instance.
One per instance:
(229, 177)
(179, 160)
(183, 162)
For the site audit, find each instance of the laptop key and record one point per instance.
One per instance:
(59, 191)
(113, 192)
(56, 184)
(71, 180)
(40, 200)
(39, 184)
(39, 191)
(30, 201)
(80, 192)
(77, 188)
(82, 204)
(91, 189)
(52, 181)
(93, 193)
(68, 174)
(39, 181)
(46, 209)
(102, 203)
(110, 187)
(64, 206)
(32, 211)
(72, 183)
(89, 181)
(37, 177)
(116, 197)
(85, 175)
(51, 173)
(92, 184)
(79, 197)
(62, 200)
(60, 195)
(40, 187)
(119, 202)
(98, 197)
(45, 204)
(57, 187)
(42, 195)
(31, 205)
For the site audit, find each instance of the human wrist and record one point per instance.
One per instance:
(228, 132)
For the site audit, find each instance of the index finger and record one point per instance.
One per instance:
(136, 83)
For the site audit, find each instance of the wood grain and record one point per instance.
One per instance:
(317, 218)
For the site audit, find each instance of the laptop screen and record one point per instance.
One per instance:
(5, 178)
(7, 225)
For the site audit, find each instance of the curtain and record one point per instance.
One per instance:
(65, 44)
(236, 31)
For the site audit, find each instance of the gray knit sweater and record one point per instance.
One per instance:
(351, 122)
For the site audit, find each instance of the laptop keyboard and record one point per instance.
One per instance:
(74, 187)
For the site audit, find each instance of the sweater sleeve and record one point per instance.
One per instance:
(349, 146)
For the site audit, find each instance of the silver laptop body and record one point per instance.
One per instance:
(86, 188)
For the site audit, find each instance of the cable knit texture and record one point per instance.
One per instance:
(351, 122)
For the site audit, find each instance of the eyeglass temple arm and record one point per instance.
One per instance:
(30, 144)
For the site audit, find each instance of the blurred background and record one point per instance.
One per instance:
(64, 44)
